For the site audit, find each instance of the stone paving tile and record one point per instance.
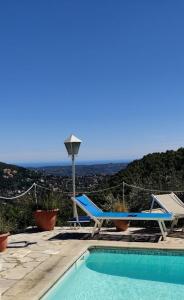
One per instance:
(30, 265)
(15, 273)
(21, 253)
(51, 251)
(37, 254)
(5, 285)
(8, 265)
(27, 258)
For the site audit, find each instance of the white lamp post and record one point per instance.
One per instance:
(72, 144)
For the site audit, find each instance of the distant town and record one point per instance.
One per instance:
(14, 179)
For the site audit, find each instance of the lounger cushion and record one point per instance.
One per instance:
(134, 216)
(88, 204)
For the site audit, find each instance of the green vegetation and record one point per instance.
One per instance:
(162, 171)
(5, 225)
(48, 200)
(18, 213)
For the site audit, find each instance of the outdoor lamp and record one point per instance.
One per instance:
(72, 144)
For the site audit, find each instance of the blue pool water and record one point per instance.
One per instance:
(123, 275)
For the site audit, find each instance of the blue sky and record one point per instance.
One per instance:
(111, 72)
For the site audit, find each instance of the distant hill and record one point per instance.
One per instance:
(83, 170)
(162, 171)
(14, 178)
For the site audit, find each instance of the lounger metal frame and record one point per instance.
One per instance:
(99, 220)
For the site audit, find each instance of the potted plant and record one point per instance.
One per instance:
(46, 212)
(121, 225)
(4, 233)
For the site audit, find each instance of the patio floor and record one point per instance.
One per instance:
(35, 260)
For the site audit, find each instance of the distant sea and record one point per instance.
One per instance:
(64, 163)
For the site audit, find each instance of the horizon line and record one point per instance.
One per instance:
(66, 163)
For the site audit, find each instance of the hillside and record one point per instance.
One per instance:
(13, 178)
(83, 170)
(162, 171)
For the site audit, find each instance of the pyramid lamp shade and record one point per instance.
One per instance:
(72, 144)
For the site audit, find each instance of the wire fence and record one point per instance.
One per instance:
(122, 184)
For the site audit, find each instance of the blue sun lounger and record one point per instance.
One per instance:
(98, 216)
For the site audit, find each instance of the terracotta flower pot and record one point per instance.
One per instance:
(3, 241)
(46, 219)
(121, 225)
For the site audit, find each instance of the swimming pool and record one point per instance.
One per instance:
(110, 274)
